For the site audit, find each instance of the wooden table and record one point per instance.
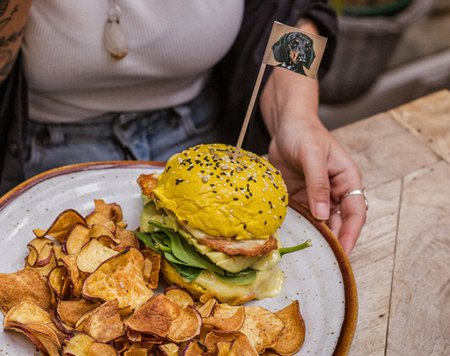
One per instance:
(402, 259)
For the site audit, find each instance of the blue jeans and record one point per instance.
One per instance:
(152, 135)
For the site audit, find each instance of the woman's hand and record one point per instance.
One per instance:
(316, 168)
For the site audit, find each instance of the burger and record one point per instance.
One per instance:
(213, 215)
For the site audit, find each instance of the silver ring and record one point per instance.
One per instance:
(358, 192)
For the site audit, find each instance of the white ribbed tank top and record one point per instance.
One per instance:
(172, 47)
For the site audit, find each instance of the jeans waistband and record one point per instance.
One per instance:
(103, 126)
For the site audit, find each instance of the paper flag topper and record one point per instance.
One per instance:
(295, 50)
(289, 48)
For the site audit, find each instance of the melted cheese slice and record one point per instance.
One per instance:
(268, 284)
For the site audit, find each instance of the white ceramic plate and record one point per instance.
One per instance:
(319, 277)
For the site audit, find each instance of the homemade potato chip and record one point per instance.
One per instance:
(82, 345)
(138, 348)
(133, 336)
(231, 343)
(154, 317)
(96, 218)
(206, 309)
(104, 323)
(122, 278)
(152, 266)
(28, 313)
(47, 265)
(136, 352)
(32, 257)
(179, 296)
(76, 238)
(61, 225)
(40, 335)
(185, 326)
(59, 281)
(169, 349)
(90, 293)
(92, 255)
(76, 276)
(36, 323)
(78, 344)
(112, 211)
(70, 311)
(291, 338)
(191, 348)
(108, 242)
(25, 285)
(59, 254)
(262, 327)
(98, 348)
(226, 317)
(98, 231)
(126, 238)
(39, 243)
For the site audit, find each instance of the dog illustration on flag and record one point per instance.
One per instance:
(294, 51)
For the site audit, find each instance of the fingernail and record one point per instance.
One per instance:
(322, 211)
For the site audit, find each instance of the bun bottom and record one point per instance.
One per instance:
(171, 275)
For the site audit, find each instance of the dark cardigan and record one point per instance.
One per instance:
(235, 75)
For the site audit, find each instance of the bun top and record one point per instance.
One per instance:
(209, 190)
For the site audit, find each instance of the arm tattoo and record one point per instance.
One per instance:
(8, 56)
(3, 6)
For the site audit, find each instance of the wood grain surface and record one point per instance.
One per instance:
(402, 259)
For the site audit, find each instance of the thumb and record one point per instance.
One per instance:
(317, 184)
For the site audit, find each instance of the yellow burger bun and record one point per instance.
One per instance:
(213, 192)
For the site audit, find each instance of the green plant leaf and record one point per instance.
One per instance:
(186, 259)
(239, 280)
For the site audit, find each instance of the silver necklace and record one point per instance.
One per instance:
(115, 39)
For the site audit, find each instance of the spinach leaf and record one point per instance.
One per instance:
(186, 252)
(156, 241)
(239, 280)
(190, 273)
(186, 259)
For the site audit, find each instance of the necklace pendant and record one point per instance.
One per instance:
(115, 39)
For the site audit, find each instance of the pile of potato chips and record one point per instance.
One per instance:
(88, 289)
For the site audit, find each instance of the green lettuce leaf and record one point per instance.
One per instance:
(186, 259)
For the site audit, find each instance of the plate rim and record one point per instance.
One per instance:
(351, 296)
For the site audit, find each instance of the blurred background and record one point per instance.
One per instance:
(389, 52)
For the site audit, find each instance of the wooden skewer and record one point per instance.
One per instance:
(249, 112)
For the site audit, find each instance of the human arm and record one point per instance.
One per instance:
(13, 18)
(317, 170)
